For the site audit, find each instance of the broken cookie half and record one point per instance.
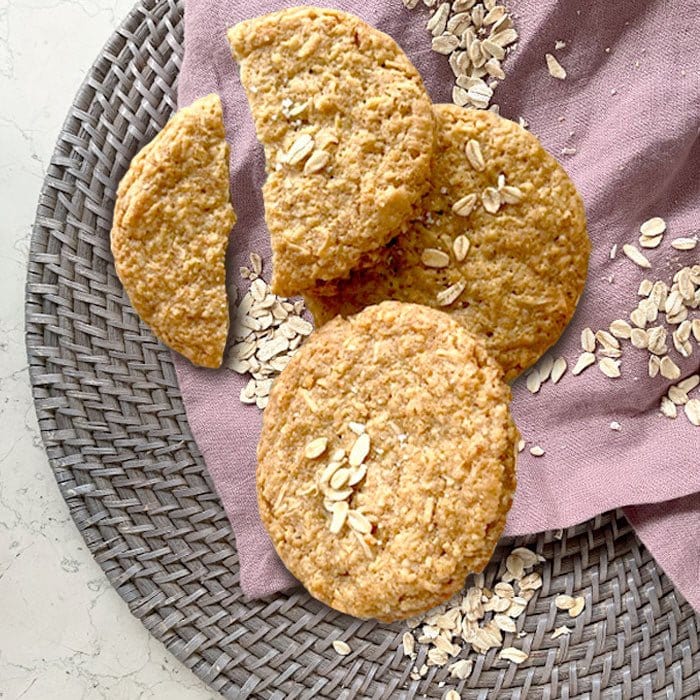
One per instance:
(172, 220)
(348, 133)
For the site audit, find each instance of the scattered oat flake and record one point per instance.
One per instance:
(460, 247)
(650, 242)
(559, 45)
(504, 623)
(609, 367)
(653, 227)
(474, 155)
(621, 329)
(465, 205)
(511, 194)
(409, 644)
(669, 369)
(461, 669)
(668, 408)
(452, 695)
(588, 340)
(560, 631)
(613, 251)
(689, 383)
(558, 369)
(533, 382)
(607, 339)
(536, 451)
(638, 337)
(556, 70)
(528, 557)
(342, 648)
(339, 513)
(677, 395)
(451, 294)
(300, 149)
(635, 255)
(544, 367)
(517, 656)
(445, 44)
(316, 448)
(692, 411)
(491, 199)
(564, 602)
(531, 582)
(317, 161)
(359, 450)
(684, 243)
(433, 257)
(359, 522)
(615, 426)
(577, 608)
(586, 359)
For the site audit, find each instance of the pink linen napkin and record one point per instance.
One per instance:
(630, 107)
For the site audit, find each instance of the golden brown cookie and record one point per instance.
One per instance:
(348, 133)
(172, 220)
(386, 460)
(501, 245)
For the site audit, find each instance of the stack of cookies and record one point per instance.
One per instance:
(440, 250)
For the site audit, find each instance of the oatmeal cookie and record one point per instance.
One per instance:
(386, 461)
(501, 244)
(172, 220)
(348, 132)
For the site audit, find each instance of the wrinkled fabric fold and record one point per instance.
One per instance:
(630, 107)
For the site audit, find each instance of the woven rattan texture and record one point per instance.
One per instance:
(118, 442)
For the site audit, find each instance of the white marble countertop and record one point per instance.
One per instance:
(64, 632)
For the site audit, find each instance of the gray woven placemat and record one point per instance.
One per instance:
(118, 442)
